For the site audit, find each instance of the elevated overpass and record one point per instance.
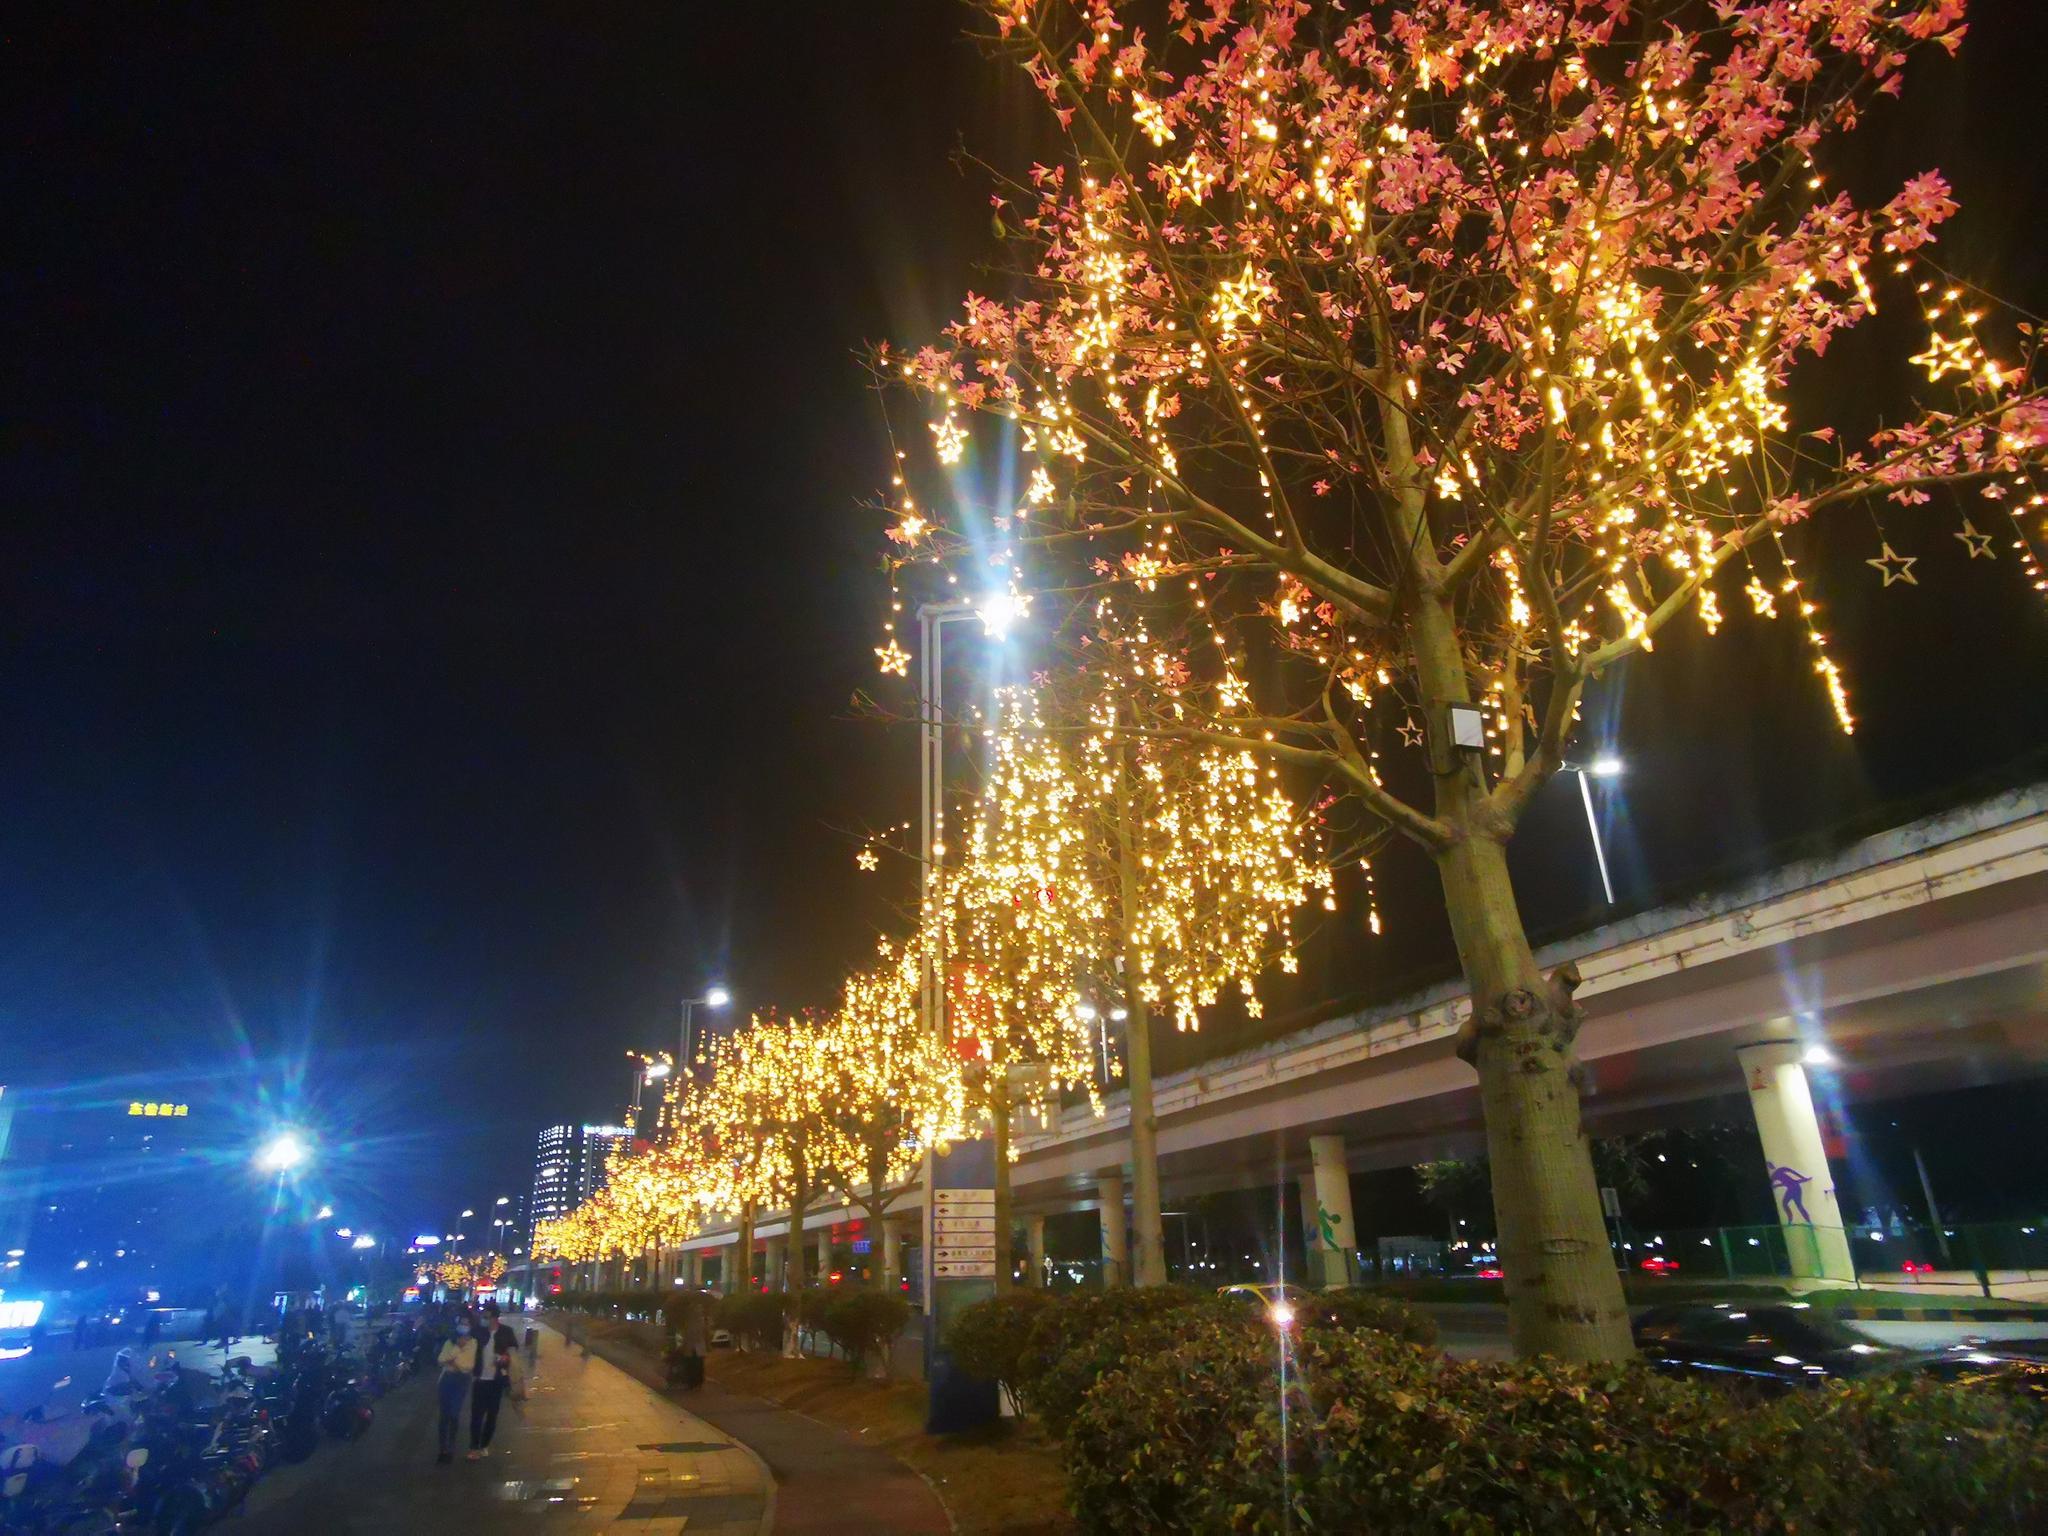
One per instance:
(1916, 959)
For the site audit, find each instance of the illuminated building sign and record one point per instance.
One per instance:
(164, 1110)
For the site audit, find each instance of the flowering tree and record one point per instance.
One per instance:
(1400, 359)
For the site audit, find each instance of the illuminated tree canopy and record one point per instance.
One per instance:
(1395, 358)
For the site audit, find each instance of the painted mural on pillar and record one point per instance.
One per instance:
(1791, 1184)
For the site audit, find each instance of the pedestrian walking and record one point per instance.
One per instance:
(457, 1358)
(490, 1374)
(696, 1339)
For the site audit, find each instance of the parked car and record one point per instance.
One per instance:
(1783, 1346)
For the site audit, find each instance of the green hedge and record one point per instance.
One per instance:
(992, 1339)
(754, 1318)
(864, 1324)
(1358, 1309)
(1332, 1429)
(1049, 1349)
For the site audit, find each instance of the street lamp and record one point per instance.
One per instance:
(714, 997)
(646, 1069)
(1605, 766)
(997, 612)
(284, 1151)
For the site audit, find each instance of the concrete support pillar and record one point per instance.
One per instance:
(1336, 1245)
(821, 1266)
(1116, 1247)
(1802, 1184)
(1034, 1236)
(778, 1249)
(1311, 1233)
(892, 1256)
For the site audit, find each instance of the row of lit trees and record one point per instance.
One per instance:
(1105, 872)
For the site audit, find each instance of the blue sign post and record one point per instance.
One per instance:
(959, 1269)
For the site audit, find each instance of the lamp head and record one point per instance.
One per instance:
(1605, 766)
(999, 610)
(283, 1152)
(717, 997)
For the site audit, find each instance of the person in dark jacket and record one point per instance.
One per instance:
(491, 1372)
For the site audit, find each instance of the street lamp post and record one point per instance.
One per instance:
(714, 997)
(646, 1069)
(1605, 766)
(955, 1403)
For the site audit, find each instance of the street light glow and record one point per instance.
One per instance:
(467, 1214)
(654, 1072)
(504, 1199)
(364, 1241)
(1605, 766)
(282, 1153)
(1818, 1056)
(324, 1213)
(344, 1231)
(999, 610)
(717, 997)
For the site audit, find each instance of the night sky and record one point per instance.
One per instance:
(433, 575)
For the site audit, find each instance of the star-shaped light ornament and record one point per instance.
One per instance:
(866, 860)
(1894, 566)
(1978, 544)
(1411, 733)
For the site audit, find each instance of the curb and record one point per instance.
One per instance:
(1938, 1314)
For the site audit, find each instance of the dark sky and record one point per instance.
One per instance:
(431, 570)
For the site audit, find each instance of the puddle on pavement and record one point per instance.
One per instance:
(550, 1490)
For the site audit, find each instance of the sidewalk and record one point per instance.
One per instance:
(827, 1482)
(593, 1450)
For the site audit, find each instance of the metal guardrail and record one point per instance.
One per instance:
(1979, 1258)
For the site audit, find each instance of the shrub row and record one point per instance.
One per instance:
(1238, 1430)
(861, 1324)
(1050, 1349)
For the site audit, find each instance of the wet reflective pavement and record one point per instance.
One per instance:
(590, 1450)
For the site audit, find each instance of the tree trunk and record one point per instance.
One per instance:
(799, 1259)
(999, 1124)
(1147, 1236)
(1564, 1294)
(880, 1198)
(741, 1281)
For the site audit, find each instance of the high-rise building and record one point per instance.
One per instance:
(569, 1167)
(554, 1177)
(599, 1142)
(114, 1198)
